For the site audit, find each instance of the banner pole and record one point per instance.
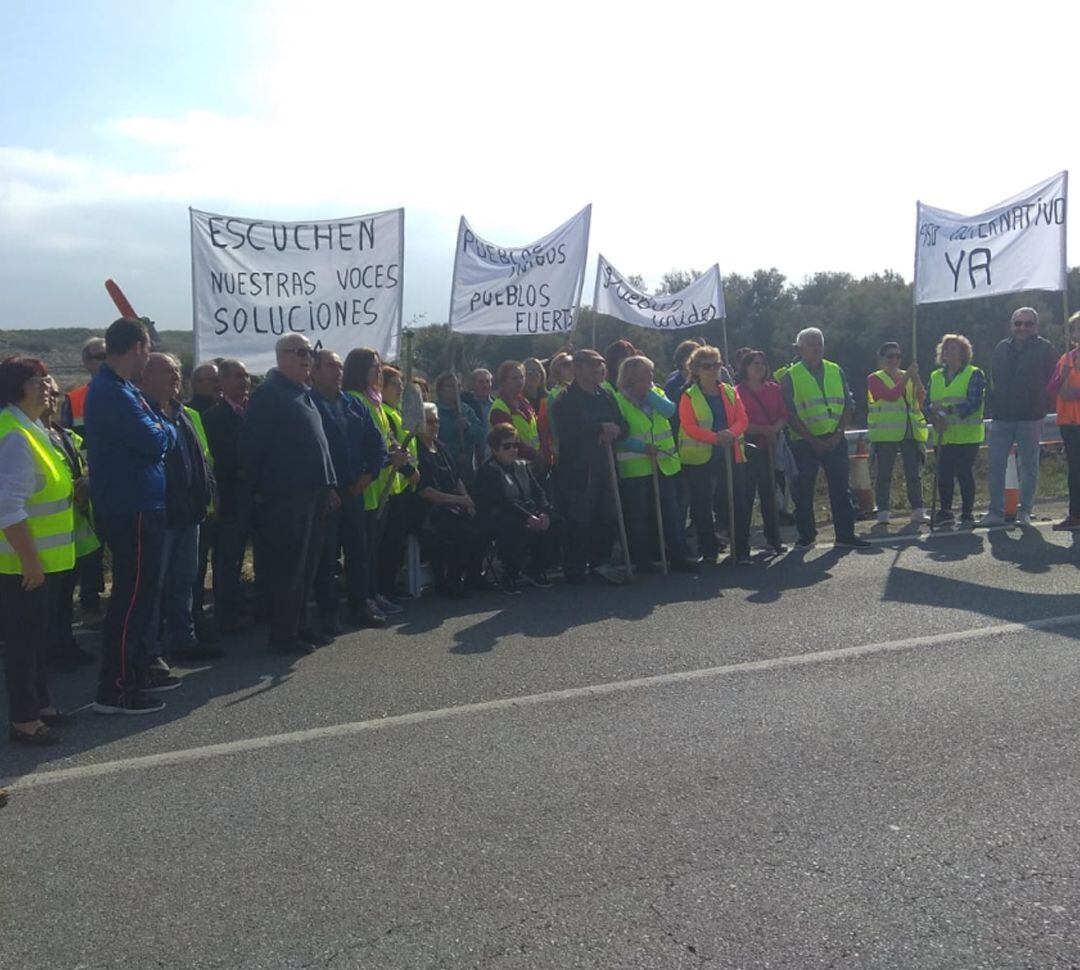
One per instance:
(194, 306)
(914, 329)
(723, 325)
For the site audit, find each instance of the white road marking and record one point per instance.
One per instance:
(210, 751)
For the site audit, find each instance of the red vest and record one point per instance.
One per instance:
(77, 402)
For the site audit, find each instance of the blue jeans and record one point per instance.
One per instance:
(344, 529)
(1003, 434)
(171, 623)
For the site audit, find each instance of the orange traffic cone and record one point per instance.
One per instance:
(860, 475)
(1012, 484)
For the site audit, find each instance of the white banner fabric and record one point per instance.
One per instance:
(698, 303)
(1019, 244)
(526, 290)
(338, 282)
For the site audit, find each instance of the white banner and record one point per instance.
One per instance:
(338, 282)
(531, 289)
(1019, 244)
(698, 303)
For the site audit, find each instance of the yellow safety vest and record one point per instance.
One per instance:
(374, 491)
(204, 447)
(651, 429)
(86, 540)
(888, 420)
(393, 419)
(527, 430)
(818, 409)
(50, 509)
(958, 430)
(691, 451)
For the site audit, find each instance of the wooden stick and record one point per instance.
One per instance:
(659, 514)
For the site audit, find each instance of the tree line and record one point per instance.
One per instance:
(765, 310)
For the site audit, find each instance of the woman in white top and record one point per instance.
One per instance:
(36, 545)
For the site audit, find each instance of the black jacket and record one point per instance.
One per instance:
(188, 490)
(283, 447)
(506, 495)
(1019, 373)
(222, 425)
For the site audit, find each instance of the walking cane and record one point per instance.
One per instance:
(619, 512)
(933, 494)
(729, 470)
(659, 514)
(770, 492)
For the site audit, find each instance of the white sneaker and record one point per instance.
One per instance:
(883, 515)
(1023, 518)
(990, 520)
(919, 516)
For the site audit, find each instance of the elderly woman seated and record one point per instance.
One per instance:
(454, 539)
(516, 511)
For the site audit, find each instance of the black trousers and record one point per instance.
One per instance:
(708, 491)
(61, 639)
(760, 483)
(835, 465)
(294, 542)
(91, 570)
(345, 529)
(26, 622)
(456, 543)
(956, 463)
(911, 453)
(518, 546)
(208, 530)
(1070, 435)
(136, 543)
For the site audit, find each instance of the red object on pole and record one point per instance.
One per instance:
(121, 301)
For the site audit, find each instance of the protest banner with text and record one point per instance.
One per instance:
(337, 281)
(699, 302)
(1017, 245)
(519, 290)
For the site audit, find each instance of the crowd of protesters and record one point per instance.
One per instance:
(593, 463)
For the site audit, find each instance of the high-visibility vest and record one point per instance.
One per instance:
(77, 403)
(818, 409)
(527, 430)
(86, 540)
(204, 446)
(958, 430)
(1068, 408)
(693, 452)
(382, 481)
(650, 428)
(50, 509)
(888, 420)
(393, 419)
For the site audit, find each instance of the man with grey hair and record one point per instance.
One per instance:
(1019, 371)
(820, 406)
(205, 387)
(188, 490)
(286, 457)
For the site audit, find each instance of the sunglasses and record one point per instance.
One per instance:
(95, 357)
(1025, 324)
(301, 352)
(715, 365)
(892, 356)
(509, 446)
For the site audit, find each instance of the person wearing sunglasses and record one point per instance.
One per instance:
(286, 458)
(515, 510)
(712, 420)
(897, 427)
(1019, 371)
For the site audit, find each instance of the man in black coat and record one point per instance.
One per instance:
(286, 458)
(587, 422)
(234, 509)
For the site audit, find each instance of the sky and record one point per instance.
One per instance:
(752, 135)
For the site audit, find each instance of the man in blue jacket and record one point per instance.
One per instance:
(358, 452)
(286, 457)
(127, 440)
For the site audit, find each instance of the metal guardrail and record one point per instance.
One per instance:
(1051, 434)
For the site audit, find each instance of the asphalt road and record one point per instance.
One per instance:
(838, 760)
